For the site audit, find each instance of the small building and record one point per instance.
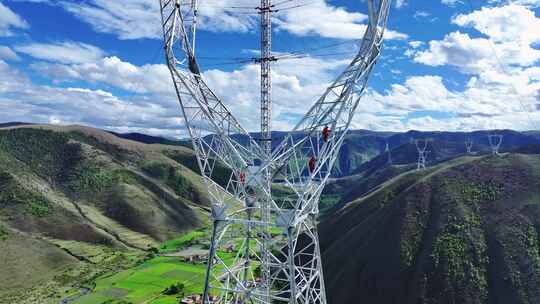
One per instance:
(195, 259)
(192, 299)
(230, 248)
(197, 299)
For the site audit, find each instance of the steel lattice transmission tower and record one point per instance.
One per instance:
(388, 151)
(421, 146)
(264, 247)
(469, 143)
(495, 142)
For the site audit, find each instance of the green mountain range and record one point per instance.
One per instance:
(89, 216)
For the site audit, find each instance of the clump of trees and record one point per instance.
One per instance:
(3, 233)
(172, 177)
(13, 195)
(175, 289)
(220, 175)
(48, 153)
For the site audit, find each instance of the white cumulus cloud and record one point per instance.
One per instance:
(136, 19)
(511, 23)
(296, 84)
(63, 52)
(7, 53)
(511, 34)
(10, 21)
(321, 19)
(149, 78)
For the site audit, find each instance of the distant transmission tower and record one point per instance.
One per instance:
(495, 141)
(421, 146)
(469, 145)
(275, 254)
(389, 153)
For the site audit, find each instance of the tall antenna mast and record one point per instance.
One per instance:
(265, 10)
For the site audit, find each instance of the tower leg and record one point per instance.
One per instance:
(211, 254)
(291, 264)
(306, 277)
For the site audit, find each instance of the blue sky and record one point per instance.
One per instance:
(447, 64)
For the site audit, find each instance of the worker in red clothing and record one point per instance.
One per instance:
(326, 133)
(311, 164)
(242, 177)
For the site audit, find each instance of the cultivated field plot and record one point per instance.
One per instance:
(145, 283)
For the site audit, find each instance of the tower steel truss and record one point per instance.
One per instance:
(495, 142)
(264, 246)
(421, 146)
(469, 143)
(388, 152)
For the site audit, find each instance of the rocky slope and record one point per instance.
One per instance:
(464, 231)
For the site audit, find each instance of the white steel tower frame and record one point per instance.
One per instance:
(264, 246)
(469, 143)
(421, 146)
(495, 142)
(388, 151)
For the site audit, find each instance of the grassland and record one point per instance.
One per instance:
(184, 241)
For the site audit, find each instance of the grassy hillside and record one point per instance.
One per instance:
(465, 231)
(76, 202)
(27, 261)
(347, 189)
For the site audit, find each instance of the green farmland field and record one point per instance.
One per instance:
(145, 283)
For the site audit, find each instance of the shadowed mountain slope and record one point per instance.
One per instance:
(464, 231)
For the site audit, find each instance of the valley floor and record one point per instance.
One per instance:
(112, 277)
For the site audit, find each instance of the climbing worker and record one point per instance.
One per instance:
(326, 133)
(312, 163)
(242, 177)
